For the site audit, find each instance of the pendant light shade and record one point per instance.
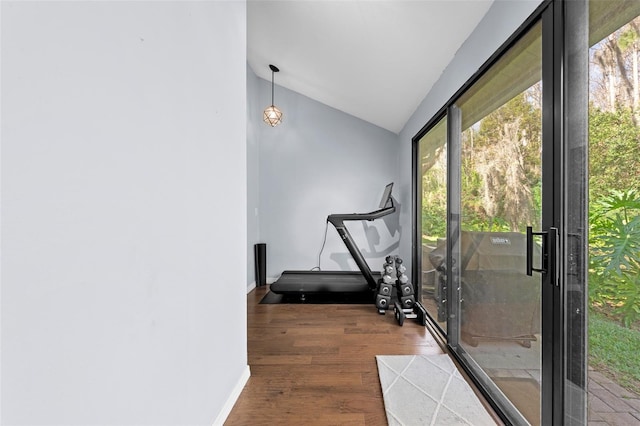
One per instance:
(272, 115)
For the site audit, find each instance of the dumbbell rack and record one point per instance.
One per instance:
(405, 305)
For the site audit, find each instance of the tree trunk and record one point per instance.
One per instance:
(636, 89)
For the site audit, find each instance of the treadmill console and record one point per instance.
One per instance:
(386, 200)
(386, 207)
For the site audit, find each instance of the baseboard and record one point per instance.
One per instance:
(235, 394)
(252, 285)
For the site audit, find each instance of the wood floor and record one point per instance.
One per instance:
(315, 364)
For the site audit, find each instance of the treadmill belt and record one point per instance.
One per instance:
(307, 282)
(319, 299)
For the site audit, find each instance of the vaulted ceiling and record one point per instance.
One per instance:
(375, 60)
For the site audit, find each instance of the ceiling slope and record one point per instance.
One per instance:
(375, 60)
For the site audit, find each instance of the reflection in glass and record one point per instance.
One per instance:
(433, 199)
(501, 181)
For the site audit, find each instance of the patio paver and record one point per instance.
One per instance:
(611, 404)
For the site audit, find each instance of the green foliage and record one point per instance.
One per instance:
(615, 350)
(614, 151)
(434, 194)
(434, 221)
(628, 38)
(501, 172)
(614, 242)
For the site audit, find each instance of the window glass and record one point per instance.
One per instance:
(433, 203)
(501, 194)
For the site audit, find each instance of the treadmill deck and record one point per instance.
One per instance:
(301, 282)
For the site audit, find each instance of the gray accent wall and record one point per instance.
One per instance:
(317, 162)
(123, 212)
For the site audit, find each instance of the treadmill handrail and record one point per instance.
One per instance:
(336, 219)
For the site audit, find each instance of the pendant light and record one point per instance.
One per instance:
(272, 115)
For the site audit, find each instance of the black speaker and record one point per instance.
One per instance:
(260, 256)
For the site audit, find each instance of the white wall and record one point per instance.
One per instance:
(500, 22)
(123, 211)
(317, 162)
(254, 121)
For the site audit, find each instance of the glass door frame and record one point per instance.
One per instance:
(571, 124)
(564, 139)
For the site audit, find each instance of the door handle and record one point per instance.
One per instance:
(550, 252)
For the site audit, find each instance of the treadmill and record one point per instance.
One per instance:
(349, 282)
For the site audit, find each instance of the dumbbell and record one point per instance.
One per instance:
(405, 289)
(407, 302)
(382, 302)
(385, 289)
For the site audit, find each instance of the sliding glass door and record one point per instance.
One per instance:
(500, 197)
(432, 193)
(502, 268)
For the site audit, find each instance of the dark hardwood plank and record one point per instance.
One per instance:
(315, 364)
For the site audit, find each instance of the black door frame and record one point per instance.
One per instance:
(565, 88)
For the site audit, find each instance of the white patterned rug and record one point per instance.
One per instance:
(428, 390)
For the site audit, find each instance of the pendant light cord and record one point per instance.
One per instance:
(274, 70)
